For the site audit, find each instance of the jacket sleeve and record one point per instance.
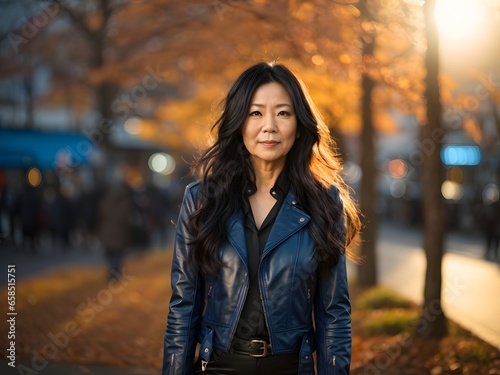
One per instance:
(332, 312)
(186, 302)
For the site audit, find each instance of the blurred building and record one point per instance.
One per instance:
(471, 177)
(59, 157)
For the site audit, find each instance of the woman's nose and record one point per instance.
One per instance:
(269, 125)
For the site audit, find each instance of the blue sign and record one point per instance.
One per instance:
(44, 150)
(461, 155)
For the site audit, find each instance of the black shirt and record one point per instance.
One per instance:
(252, 324)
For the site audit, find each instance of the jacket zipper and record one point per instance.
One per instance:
(239, 312)
(260, 291)
(264, 310)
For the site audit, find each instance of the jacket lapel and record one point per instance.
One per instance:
(236, 235)
(290, 219)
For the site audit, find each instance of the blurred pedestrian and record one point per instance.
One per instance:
(6, 210)
(491, 227)
(115, 223)
(27, 211)
(259, 266)
(88, 218)
(57, 216)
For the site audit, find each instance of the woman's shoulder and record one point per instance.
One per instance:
(334, 192)
(192, 189)
(193, 186)
(191, 193)
(335, 195)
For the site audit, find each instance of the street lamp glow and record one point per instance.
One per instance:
(452, 190)
(34, 177)
(132, 126)
(162, 163)
(491, 194)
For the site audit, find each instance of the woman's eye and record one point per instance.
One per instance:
(254, 114)
(284, 113)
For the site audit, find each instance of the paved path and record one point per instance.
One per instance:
(72, 369)
(471, 285)
(29, 264)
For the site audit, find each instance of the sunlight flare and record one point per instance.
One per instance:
(459, 20)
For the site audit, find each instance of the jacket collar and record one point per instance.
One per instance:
(278, 191)
(290, 220)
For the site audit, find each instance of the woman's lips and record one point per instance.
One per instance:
(269, 143)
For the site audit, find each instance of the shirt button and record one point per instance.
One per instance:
(302, 220)
(249, 191)
(306, 357)
(294, 203)
(206, 350)
(273, 192)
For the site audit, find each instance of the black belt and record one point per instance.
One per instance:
(253, 348)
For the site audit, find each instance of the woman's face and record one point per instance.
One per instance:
(270, 128)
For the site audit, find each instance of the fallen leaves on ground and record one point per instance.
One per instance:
(76, 315)
(406, 354)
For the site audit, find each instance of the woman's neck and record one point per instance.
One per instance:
(266, 175)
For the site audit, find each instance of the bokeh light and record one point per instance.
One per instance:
(461, 155)
(397, 168)
(34, 177)
(456, 174)
(491, 194)
(452, 190)
(397, 188)
(161, 162)
(132, 125)
(352, 172)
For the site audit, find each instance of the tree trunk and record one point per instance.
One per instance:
(30, 99)
(434, 323)
(367, 272)
(496, 117)
(105, 92)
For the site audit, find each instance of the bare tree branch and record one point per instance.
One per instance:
(77, 19)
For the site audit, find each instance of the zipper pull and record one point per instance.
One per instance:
(204, 365)
(172, 360)
(334, 361)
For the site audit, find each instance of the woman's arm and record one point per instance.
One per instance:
(186, 303)
(332, 311)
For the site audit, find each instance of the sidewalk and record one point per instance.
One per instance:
(471, 285)
(470, 289)
(73, 369)
(32, 264)
(35, 268)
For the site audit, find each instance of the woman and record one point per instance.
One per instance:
(259, 268)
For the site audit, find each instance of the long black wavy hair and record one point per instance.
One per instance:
(312, 165)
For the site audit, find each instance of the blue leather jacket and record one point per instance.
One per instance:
(304, 313)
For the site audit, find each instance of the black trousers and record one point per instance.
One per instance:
(241, 364)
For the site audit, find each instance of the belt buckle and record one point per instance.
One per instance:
(264, 348)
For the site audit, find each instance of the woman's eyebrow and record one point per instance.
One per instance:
(277, 105)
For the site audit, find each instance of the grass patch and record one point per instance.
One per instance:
(474, 351)
(382, 298)
(390, 322)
